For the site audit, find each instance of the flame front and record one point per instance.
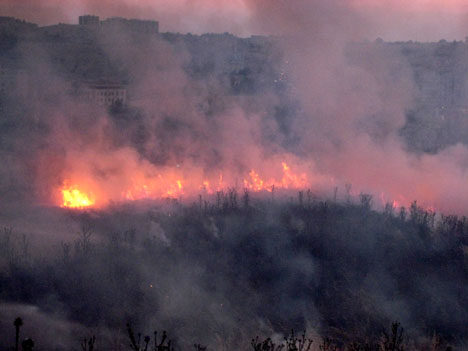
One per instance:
(288, 181)
(150, 183)
(72, 197)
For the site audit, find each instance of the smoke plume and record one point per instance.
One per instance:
(326, 109)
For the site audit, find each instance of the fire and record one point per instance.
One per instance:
(256, 184)
(211, 187)
(152, 183)
(176, 189)
(72, 197)
(291, 180)
(288, 181)
(158, 187)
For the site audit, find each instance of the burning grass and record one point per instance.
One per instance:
(172, 184)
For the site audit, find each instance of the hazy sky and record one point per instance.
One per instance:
(389, 19)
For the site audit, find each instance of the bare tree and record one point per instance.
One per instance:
(88, 344)
(393, 341)
(17, 323)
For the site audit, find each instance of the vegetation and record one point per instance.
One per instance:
(216, 271)
(394, 341)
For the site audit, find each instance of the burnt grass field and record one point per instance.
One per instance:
(219, 274)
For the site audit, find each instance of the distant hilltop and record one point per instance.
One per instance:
(145, 26)
(90, 21)
(16, 24)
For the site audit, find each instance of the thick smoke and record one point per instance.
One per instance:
(187, 133)
(353, 113)
(183, 136)
(349, 101)
(390, 19)
(179, 15)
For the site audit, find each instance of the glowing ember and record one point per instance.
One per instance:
(72, 197)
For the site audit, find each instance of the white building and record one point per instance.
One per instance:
(104, 94)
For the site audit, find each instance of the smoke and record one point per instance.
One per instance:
(424, 20)
(187, 131)
(41, 326)
(355, 105)
(187, 136)
(182, 136)
(393, 20)
(179, 15)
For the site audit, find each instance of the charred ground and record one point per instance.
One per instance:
(222, 273)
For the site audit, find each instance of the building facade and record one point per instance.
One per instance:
(88, 20)
(135, 25)
(104, 94)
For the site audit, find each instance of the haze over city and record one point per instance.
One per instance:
(229, 171)
(425, 20)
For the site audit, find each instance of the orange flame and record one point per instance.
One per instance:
(288, 181)
(72, 197)
(169, 183)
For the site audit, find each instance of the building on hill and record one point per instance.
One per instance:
(88, 20)
(16, 23)
(136, 25)
(140, 26)
(11, 29)
(103, 93)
